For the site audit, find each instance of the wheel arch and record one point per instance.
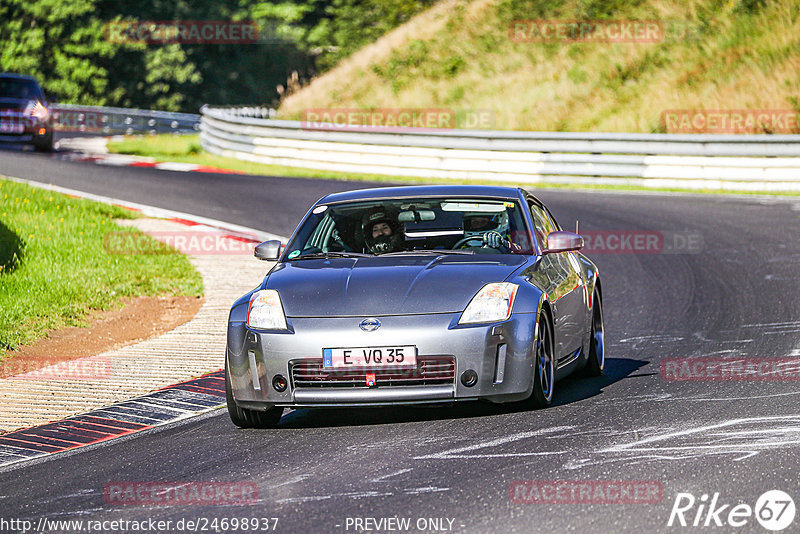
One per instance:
(599, 287)
(546, 308)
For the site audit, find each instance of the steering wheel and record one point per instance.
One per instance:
(464, 240)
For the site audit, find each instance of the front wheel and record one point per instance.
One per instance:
(597, 355)
(544, 367)
(244, 418)
(46, 146)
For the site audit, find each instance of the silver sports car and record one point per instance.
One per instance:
(415, 295)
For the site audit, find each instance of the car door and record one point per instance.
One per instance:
(565, 287)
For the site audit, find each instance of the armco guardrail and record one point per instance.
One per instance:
(732, 162)
(111, 121)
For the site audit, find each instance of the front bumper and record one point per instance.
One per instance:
(500, 354)
(17, 127)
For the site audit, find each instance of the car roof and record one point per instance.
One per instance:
(18, 76)
(378, 193)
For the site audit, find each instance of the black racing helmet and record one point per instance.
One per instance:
(383, 243)
(481, 222)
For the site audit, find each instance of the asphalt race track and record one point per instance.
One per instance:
(735, 296)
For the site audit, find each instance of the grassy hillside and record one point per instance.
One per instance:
(737, 54)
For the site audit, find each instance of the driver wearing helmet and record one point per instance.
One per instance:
(491, 227)
(381, 232)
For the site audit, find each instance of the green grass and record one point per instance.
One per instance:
(712, 54)
(168, 147)
(186, 149)
(55, 267)
(161, 146)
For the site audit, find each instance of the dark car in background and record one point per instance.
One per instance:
(24, 112)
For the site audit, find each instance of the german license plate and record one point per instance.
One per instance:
(397, 356)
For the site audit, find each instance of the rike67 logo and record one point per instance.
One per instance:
(774, 510)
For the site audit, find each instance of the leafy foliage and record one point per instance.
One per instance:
(66, 45)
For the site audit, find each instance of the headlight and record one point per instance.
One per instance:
(266, 311)
(492, 303)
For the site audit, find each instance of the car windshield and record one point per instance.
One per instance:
(408, 226)
(19, 89)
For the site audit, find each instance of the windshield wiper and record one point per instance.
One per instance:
(332, 254)
(430, 251)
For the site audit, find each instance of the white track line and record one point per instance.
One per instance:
(153, 211)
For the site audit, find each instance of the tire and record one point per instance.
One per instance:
(544, 364)
(244, 418)
(45, 145)
(597, 355)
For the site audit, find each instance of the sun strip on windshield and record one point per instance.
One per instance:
(435, 233)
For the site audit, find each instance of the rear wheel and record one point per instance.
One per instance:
(544, 367)
(244, 418)
(597, 356)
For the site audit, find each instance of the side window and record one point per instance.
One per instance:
(321, 236)
(542, 224)
(553, 221)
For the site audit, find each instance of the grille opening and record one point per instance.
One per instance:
(430, 370)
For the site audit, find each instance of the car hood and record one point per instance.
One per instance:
(13, 104)
(395, 285)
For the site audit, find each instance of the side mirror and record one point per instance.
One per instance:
(563, 242)
(268, 250)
